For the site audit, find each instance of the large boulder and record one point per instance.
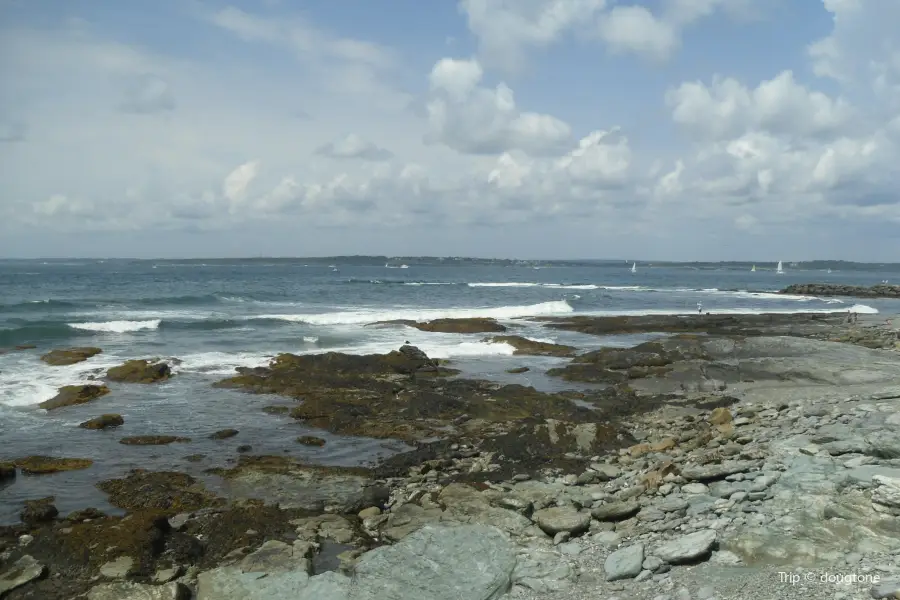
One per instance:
(103, 421)
(140, 371)
(69, 356)
(71, 395)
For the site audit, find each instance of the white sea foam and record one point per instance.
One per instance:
(220, 363)
(117, 326)
(857, 308)
(26, 382)
(357, 317)
(310, 339)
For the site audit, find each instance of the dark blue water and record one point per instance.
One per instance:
(209, 317)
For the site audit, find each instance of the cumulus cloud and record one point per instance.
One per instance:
(475, 119)
(353, 146)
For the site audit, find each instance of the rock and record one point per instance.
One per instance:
(310, 440)
(465, 325)
(69, 356)
(694, 489)
(42, 465)
(163, 491)
(474, 562)
(229, 583)
(39, 511)
(139, 371)
(715, 471)
(127, 590)
(23, 571)
(624, 563)
(103, 421)
(886, 495)
(85, 514)
(562, 518)
(275, 556)
(372, 511)
(687, 548)
(7, 471)
(526, 346)
(720, 416)
(167, 575)
(152, 440)
(118, 568)
(223, 434)
(884, 444)
(881, 290)
(605, 472)
(886, 589)
(542, 571)
(71, 395)
(616, 511)
(518, 370)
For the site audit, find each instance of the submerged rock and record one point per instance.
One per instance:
(152, 440)
(473, 325)
(223, 434)
(310, 440)
(69, 356)
(39, 511)
(103, 421)
(7, 471)
(169, 492)
(139, 371)
(71, 395)
(43, 465)
(530, 347)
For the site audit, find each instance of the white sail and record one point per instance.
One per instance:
(780, 269)
(754, 268)
(634, 267)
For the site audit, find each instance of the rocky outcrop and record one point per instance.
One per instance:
(223, 434)
(152, 440)
(103, 422)
(39, 511)
(69, 356)
(525, 346)
(140, 371)
(21, 572)
(71, 395)
(474, 325)
(167, 492)
(881, 290)
(44, 465)
(7, 471)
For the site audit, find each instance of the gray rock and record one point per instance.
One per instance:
(706, 593)
(438, 562)
(651, 514)
(763, 483)
(616, 511)
(605, 472)
(687, 548)
(624, 563)
(230, 583)
(653, 563)
(841, 447)
(117, 569)
(886, 589)
(886, 495)
(542, 571)
(884, 444)
(713, 472)
(275, 556)
(126, 590)
(562, 518)
(179, 521)
(167, 575)
(306, 489)
(23, 571)
(672, 505)
(694, 489)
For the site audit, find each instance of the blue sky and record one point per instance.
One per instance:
(678, 129)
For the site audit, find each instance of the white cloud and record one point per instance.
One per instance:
(353, 146)
(634, 29)
(474, 119)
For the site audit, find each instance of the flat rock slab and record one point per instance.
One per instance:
(687, 548)
(624, 563)
(24, 570)
(616, 511)
(713, 472)
(230, 583)
(562, 519)
(437, 562)
(127, 590)
(305, 490)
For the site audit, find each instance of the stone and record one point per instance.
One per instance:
(39, 511)
(605, 472)
(127, 590)
(43, 465)
(72, 395)
(542, 571)
(103, 421)
(152, 440)
(230, 583)
(694, 489)
(275, 556)
(139, 371)
(7, 471)
(713, 472)
(672, 505)
(167, 575)
(687, 548)
(886, 495)
(884, 444)
(372, 511)
(311, 440)
(438, 562)
(889, 588)
(720, 416)
(653, 563)
(615, 511)
(69, 356)
(624, 563)
(24, 570)
(118, 568)
(562, 518)
(179, 521)
(223, 434)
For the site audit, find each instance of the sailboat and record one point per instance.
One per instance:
(634, 267)
(780, 269)
(753, 269)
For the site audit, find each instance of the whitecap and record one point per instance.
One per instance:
(117, 326)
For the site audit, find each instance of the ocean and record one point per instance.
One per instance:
(207, 317)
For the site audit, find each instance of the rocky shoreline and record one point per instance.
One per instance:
(696, 466)
(882, 290)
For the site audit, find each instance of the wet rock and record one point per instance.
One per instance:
(39, 511)
(624, 563)
(223, 434)
(168, 492)
(518, 370)
(24, 570)
(687, 548)
(85, 514)
(43, 465)
(69, 356)
(127, 590)
(24, 347)
(473, 325)
(139, 371)
(834, 289)
(310, 440)
(616, 511)
(530, 347)
(7, 471)
(152, 440)
(562, 519)
(103, 421)
(618, 365)
(71, 395)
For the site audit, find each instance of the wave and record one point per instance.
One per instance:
(117, 326)
(557, 286)
(362, 317)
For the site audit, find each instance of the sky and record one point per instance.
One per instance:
(661, 129)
